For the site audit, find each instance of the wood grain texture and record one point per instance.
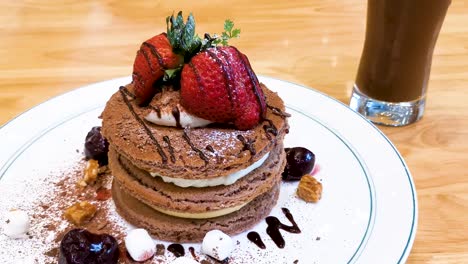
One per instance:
(50, 47)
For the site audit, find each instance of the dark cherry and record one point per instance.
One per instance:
(79, 246)
(96, 146)
(299, 162)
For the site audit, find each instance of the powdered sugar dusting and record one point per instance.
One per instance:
(41, 180)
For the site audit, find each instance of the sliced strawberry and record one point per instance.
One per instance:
(219, 85)
(154, 57)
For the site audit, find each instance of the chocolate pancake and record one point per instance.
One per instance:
(198, 153)
(167, 196)
(177, 229)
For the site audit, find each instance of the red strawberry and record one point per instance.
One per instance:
(154, 57)
(219, 85)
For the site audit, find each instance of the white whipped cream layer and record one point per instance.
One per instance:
(166, 118)
(224, 180)
(204, 215)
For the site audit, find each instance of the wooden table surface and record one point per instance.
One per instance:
(50, 47)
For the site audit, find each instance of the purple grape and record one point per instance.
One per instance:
(96, 146)
(299, 162)
(79, 246)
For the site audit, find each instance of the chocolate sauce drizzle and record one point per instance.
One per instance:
(147, 130)
(192, 251)
(156, 109)
(176, 249)
(274, 226)
(256, 239)
(227, 74)
(155, 53)
(210, 148)
(197, 76)
(278, 112)
(270, 129)
(248, 144)
(176, 115)
(253, 80)
(171, 149)
(200, 153)
(127, 92)
(145, 54)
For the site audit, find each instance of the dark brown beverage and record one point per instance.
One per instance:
(400, 38)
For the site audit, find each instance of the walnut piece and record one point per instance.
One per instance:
(80, 212)
(309, 189)
(91, 172)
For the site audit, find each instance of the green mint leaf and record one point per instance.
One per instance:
(224, 42)
(236, 33)
(228, 25)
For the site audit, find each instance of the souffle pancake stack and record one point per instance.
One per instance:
(195, 141)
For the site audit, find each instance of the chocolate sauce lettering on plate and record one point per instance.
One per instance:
(256, 239)
(278, 112)
(274, 226)
(200, 153)
(194, 255)
(176, 115)
(270, 129)
(171, 149)
(248, 144)
(145, 127)
(176, 249)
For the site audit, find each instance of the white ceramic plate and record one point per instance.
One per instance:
(368, 211)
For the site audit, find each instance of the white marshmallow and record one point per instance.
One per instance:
(217, 245)
(139, 244)
(167, 119)
(184, 260)
(16, 224)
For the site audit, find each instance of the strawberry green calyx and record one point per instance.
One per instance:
(187, 43)
(182, 35)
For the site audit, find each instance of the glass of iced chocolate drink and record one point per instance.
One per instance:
(393, 74)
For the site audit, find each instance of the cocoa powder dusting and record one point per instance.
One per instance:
(47, 223)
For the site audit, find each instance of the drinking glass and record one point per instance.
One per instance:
(395, 65)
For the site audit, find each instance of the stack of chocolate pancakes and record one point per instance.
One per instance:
(180, 182)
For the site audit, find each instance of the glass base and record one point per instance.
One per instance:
(387, 113)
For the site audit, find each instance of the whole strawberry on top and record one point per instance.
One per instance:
(161, 56)
(216, 82)
(219, 84)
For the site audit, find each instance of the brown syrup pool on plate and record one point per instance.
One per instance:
(273, 230)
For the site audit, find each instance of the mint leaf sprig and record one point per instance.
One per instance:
(229, 33)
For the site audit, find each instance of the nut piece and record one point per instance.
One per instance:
(309, 189)
(80, 212)
(90, 173)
